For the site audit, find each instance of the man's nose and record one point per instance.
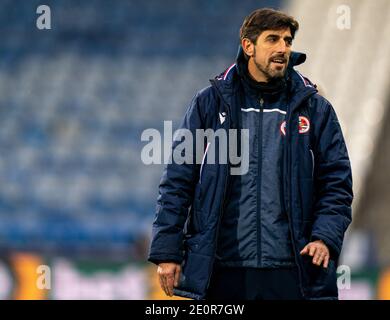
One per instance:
(282, 47)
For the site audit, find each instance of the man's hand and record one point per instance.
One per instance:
(319, 251)
(168, 274)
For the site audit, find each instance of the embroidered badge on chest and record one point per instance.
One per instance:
(303, 126)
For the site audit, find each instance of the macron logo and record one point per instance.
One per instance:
(222, 116)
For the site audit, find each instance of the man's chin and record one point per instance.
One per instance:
(276, 75)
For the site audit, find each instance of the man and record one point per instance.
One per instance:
(275, 232)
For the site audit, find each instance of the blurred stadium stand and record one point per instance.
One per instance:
(74, 101)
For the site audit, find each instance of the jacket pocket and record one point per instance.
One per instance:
(322, 282)
(195, 271)
(202, 199)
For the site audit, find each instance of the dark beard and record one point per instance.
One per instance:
(269, 74)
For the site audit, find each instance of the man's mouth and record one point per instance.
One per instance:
(278, 61)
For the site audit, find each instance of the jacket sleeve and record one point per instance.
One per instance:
(333, 183)
(176, 190)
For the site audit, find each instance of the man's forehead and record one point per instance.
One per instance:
(281, 32)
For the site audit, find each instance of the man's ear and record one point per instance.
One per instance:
(248, 47)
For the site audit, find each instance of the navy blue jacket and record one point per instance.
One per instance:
(254, 229)
(316, 187)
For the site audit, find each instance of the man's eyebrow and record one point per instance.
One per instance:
(273, 35)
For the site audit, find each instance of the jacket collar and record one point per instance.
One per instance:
(298, 86)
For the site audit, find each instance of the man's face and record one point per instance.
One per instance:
(270, 55)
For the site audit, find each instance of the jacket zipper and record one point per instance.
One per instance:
(259, 172)
(288, 189)
(288, 134)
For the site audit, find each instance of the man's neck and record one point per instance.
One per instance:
(267, 86)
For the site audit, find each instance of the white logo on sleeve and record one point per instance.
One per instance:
(222, 116)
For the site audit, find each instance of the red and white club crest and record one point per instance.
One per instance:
(304, 124)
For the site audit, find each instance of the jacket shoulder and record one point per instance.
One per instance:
(206, 95)
(206, 101)
(320, 107)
